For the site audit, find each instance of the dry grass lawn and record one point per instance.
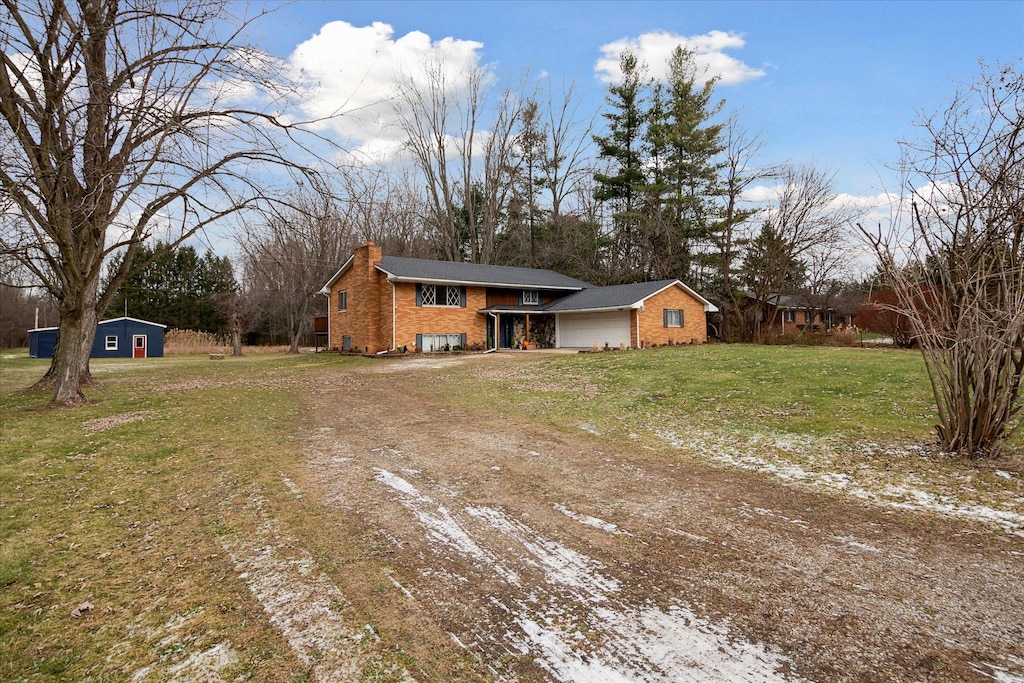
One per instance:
(704, 513)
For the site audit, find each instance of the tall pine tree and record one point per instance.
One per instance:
(176, 287)
(623, 185)
(685, 146)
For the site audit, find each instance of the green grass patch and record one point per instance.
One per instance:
(123, 504)
(817, 391)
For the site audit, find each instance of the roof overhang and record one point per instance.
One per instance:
(514, 309)
(326, 289)
(602, 309)
(127, 317)
(473, 283)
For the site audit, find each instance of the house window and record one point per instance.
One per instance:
(111, 341)
(342, 301)
(346, 343)
(440, 342)
(789, 316)
(673, 317)
(531, 297)
(807, 317)
(440, 295)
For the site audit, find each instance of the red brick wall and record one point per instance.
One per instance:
(363, 319)
(413, 319)
(651, 320)
(372, 311)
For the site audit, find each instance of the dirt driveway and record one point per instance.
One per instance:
(513, 552)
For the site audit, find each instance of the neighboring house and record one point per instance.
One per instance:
(380, 303)
(786, 313)
(116, 338)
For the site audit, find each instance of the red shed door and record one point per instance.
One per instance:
(139, 346)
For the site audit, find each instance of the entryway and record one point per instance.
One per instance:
(138, 346)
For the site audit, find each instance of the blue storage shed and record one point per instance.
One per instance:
(115, 338)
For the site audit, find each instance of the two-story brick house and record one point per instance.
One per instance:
(379, 303)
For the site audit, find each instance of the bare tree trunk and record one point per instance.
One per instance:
(236, 335)
(69, 367)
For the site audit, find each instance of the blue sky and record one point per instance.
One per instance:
(833, 84)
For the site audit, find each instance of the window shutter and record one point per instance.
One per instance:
(682, 322)
(520, 297)
(462, 339)
(419, 337)
(419, 300)
(462, 301)
(664, 317)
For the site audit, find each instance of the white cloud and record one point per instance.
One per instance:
(351, 74)
(765, 194)
(656, 47)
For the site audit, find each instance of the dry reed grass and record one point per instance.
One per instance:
(194, 342)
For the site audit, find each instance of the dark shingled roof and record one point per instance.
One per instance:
(615, 296)
(424, 270)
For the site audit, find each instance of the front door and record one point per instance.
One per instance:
(139, 346)
(508, 323)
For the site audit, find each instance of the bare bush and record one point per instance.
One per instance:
(956, 261)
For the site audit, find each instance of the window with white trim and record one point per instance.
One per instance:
(441, 295)
(531, 297)
(111, 342)
(789, 316)
(672, 317)
(342, 301)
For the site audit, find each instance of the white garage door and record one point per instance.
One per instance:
(583, 330)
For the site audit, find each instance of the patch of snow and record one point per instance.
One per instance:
(396, 482)
(561, 565)
(291, 486)
(442, 527)
(398, 585)
(1001, 674)
(686, 534)
(743, 451)
(589, 521)
(590, 429)
(303, 604)
(1004, 474)
(851, 542)
(203, 666)
(576, 621)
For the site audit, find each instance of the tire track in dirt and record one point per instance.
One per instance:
(566, 557)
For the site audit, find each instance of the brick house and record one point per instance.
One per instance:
(786, 313)
(380, 303)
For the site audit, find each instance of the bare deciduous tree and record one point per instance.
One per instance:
(287, 259)
(804, 217)
(119, 117)
(738, 173)
(438, 118)
(956, 260)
